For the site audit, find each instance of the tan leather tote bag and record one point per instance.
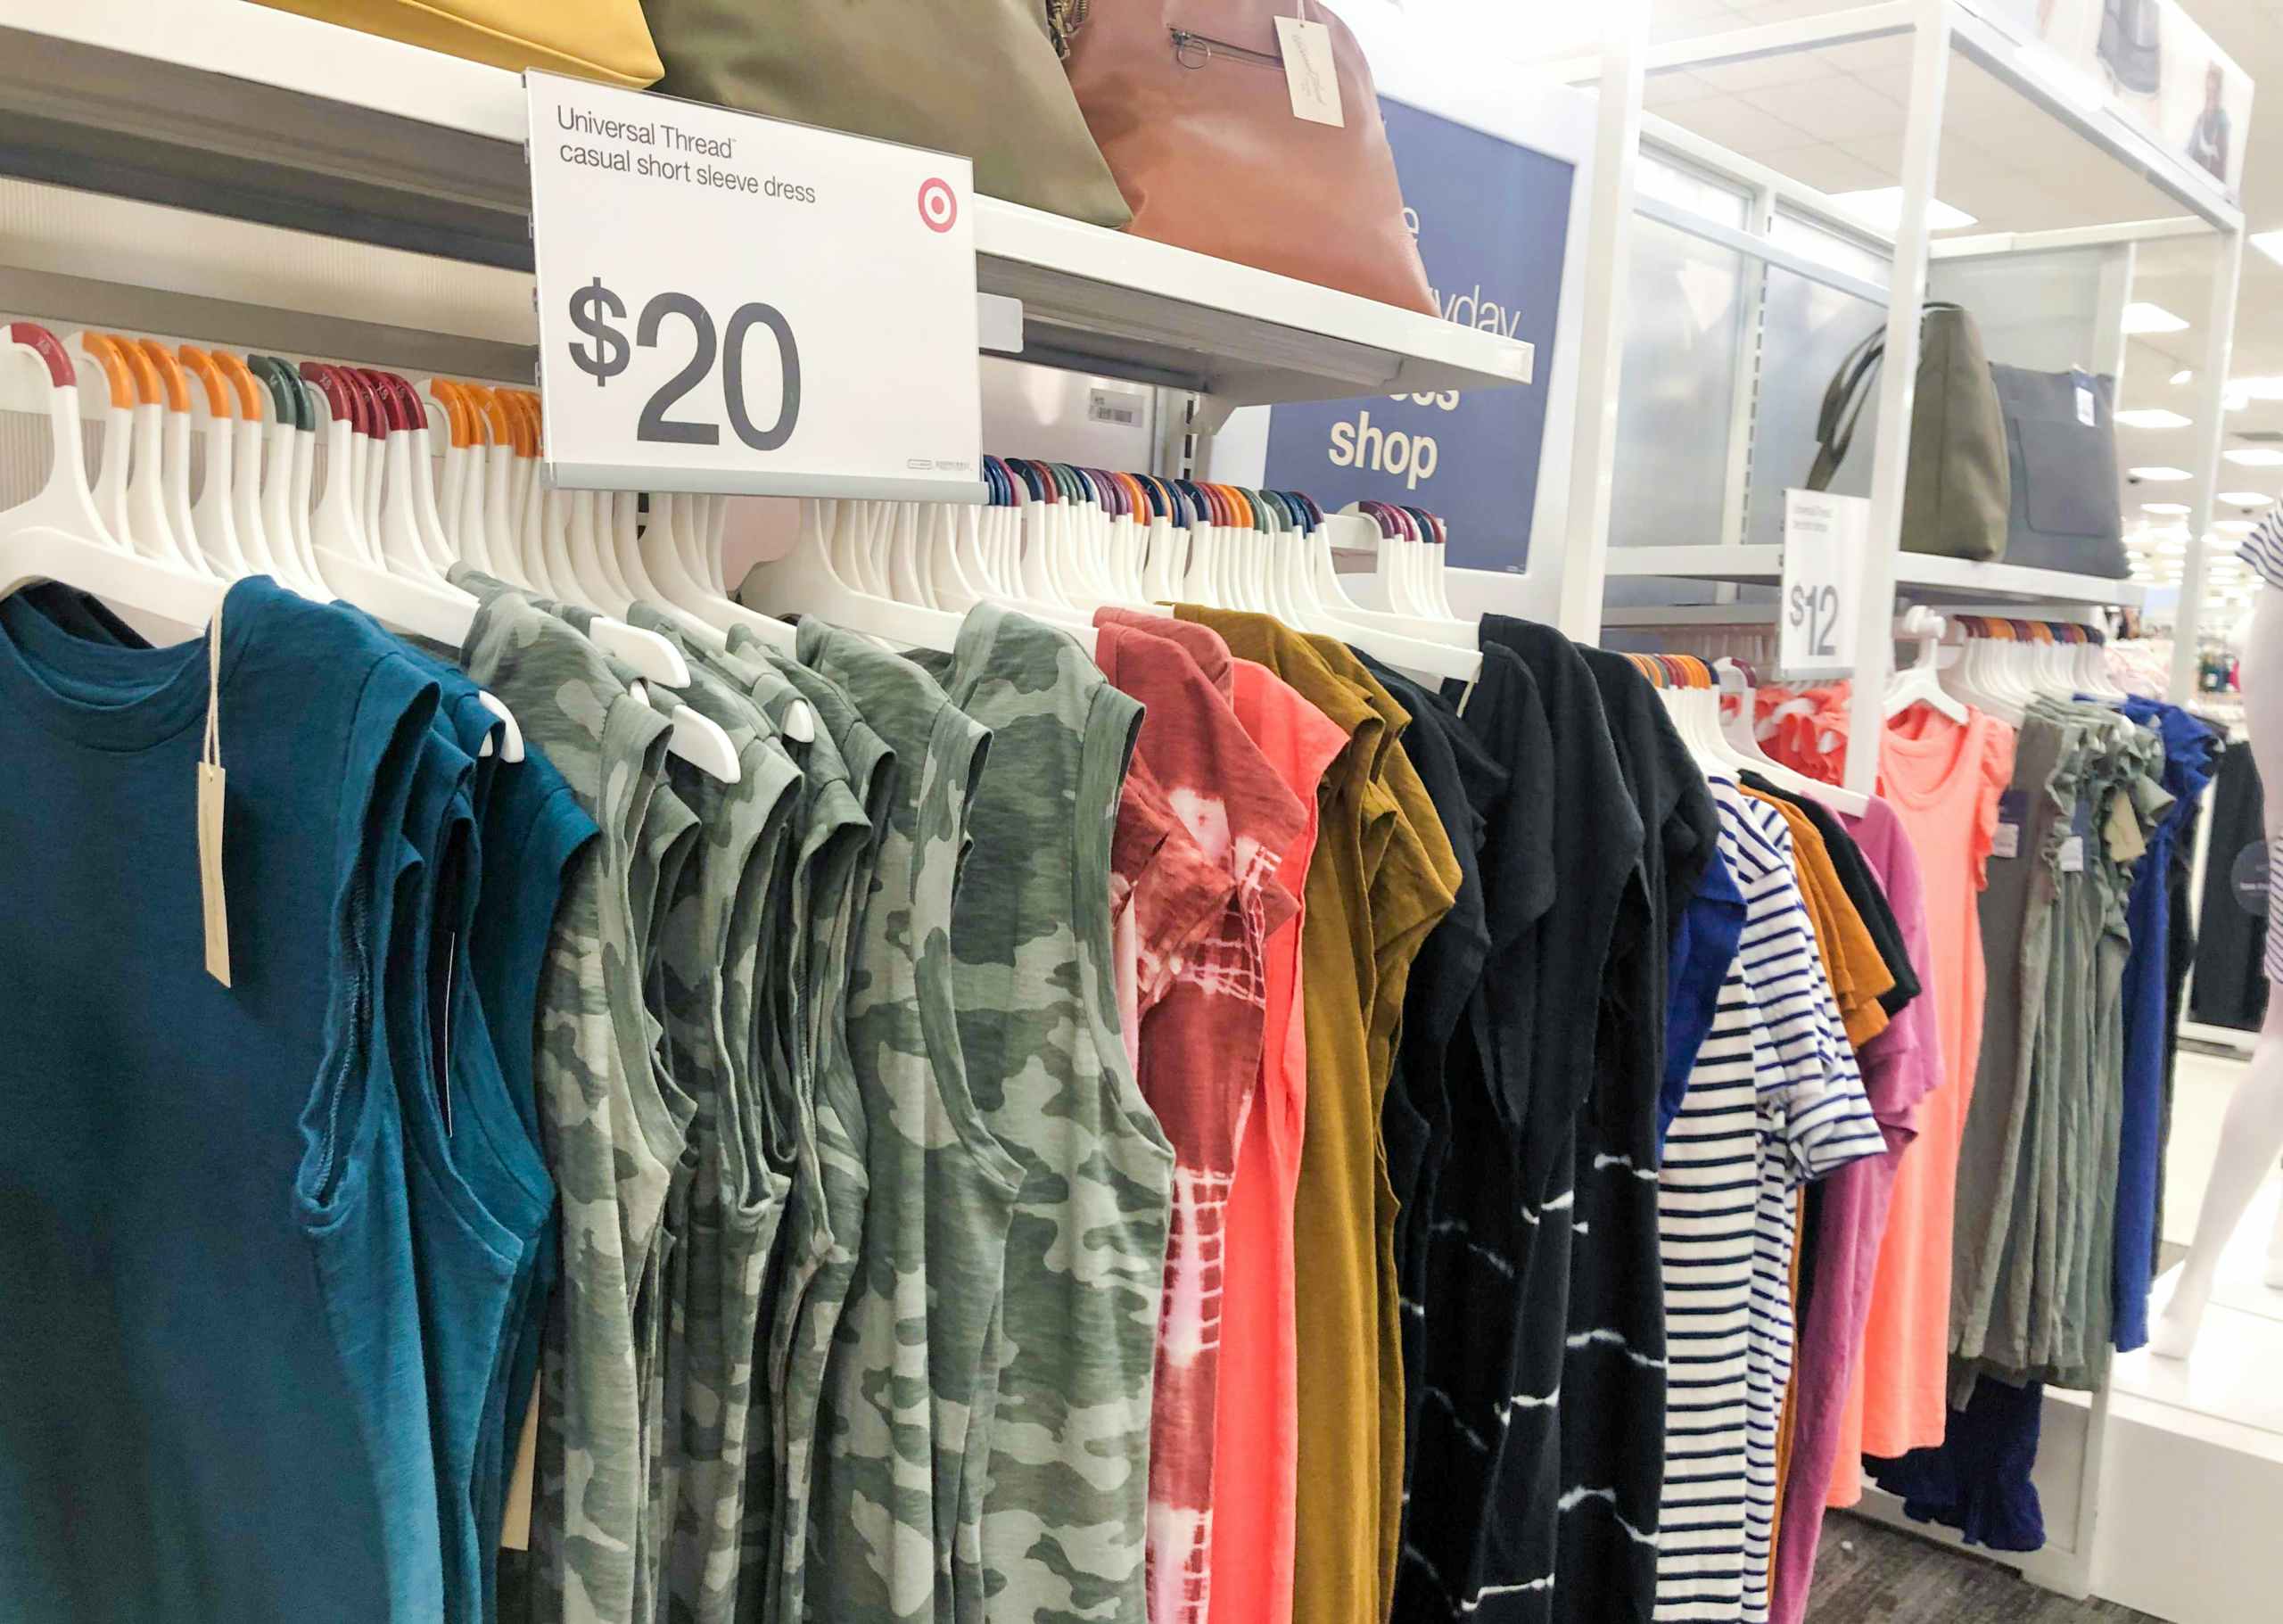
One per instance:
(1187, 100)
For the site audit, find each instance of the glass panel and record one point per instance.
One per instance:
(1811, 329)
(1721, 200)
(1812, 240)
(1683, 342)
(2038, 311)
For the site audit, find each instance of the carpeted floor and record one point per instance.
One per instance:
(1869, 1574)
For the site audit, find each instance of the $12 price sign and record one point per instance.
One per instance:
(731, 303)
(1824, 537)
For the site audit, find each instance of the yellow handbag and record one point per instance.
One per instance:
(590, 39)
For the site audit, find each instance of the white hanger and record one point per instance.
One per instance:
(418, 462)
(1700, 734)
(441, 397)
(245, 436)
(1745, 745)
(59, 535)
(805, 582)
(305, 459)
(116, 407)
(277, 476)
(704, 612)
(2092, 673)
(1327, 610)
(1920, 682)
(494, 486)
(160, 479)
(213, 525)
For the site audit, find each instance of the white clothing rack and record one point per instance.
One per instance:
(2077, 1426)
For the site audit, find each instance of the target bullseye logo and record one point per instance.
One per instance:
(939, 207)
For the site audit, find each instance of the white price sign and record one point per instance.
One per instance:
(733, 303)
(1824, 537)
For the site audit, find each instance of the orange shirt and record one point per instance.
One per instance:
(1257, 1427)
(1943, 779)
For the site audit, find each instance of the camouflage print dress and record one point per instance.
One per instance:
(716, 935)
(1065, 1500)
(902, 1379)
(610, 1144)
(664, 844)
(852, 775)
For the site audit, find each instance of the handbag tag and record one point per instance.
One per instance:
(2085, 414)
(1309, 75)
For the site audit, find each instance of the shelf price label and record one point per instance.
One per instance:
(1824, 537)
(733, 303)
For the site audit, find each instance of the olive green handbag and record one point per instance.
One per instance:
(1958, 487)
(980, 77)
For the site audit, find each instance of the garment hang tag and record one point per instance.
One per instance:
(515, 1527)
(441, 1001)
(2005, 839)
(2073, 854)
(2085, 413)
(1310, 76)
(2126, 843)
(210, 782)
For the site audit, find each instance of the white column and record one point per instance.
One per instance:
(1600, 349)
(1930, 62)
(2211, 434)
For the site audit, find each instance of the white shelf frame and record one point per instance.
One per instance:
(232, 109)
(1889, 577)
(1935, 27)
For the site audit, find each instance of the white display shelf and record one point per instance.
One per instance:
(234, 109)
(1918, 575)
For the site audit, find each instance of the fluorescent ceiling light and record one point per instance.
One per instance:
(2252, 457)
(2159, 418)
(2269, 242)
(2245, 499)
(2159, 474)
(2264, 388)
(2237, 527)
(2170, 507)
(2184, 375)
(2141, 317)
(1881, 207)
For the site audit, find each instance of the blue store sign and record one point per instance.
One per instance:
(1491, 218)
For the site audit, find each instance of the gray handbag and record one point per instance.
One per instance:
(1958, 486)
(2066, 512)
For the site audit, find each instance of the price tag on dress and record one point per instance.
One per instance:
(1824, 537)
(734, 303)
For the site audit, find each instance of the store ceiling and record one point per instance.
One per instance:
(1833, 118)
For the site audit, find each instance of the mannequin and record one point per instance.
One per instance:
(2253, 1136)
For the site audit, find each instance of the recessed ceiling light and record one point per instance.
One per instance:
(2159, 474)
(2269, 242)
(2158, 418)
(1881, 207)
(2170, 507)
(2237, 527)
(2263, 388)
(2252, 456)
(2245, 499)
(2141, 317)
(2184, 375)
(2172, 545)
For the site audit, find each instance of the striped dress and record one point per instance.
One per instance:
(1774, 1099)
